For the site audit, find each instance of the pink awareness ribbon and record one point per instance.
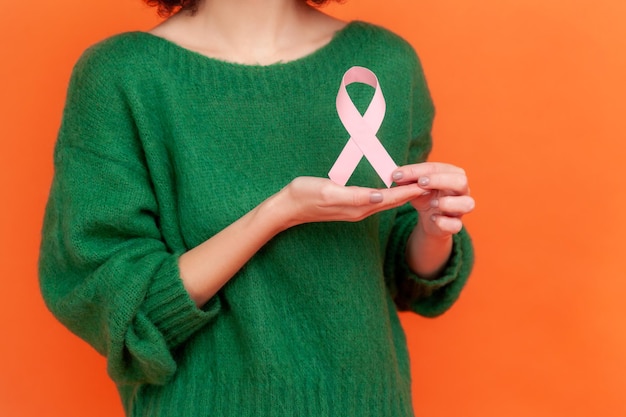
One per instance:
(362, 130)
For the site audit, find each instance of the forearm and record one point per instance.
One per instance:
(427, 254)
(208, 267)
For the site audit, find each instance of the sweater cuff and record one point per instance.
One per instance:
(433, 297)
(170, 308)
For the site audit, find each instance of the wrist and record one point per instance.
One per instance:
(276, 213)
(427, 253)
(421, 237)
(426, 229)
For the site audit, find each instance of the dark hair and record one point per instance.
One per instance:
(168, 7)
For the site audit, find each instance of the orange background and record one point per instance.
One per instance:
(530, 97)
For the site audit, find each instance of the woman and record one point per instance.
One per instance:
(191, 235)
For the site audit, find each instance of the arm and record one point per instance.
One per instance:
(206, 268)
(430, 254)
(440, 209)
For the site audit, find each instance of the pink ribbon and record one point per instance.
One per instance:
(362, 130)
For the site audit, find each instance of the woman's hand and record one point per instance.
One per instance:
(446, 198)
(311, 199)
(441, 207)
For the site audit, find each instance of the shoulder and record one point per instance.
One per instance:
(389, 55)
(382, 41)
(114, 59)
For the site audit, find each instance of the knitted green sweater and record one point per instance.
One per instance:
(159, 149)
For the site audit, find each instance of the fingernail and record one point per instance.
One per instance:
(423, 181)
(397, 175)
(434, 203)
(376, 197)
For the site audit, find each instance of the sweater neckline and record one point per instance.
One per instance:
(172, 49)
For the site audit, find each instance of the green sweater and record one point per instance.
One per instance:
(160, 148)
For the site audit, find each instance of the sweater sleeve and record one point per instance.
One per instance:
(105, 270)
(427, 297)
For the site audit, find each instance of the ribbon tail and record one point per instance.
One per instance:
(384, 168)
(346, 163)
(379, 158)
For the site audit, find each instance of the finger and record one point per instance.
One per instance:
(385, 198)
(455, 183)
(411, 173)
(448, 225)
(396, 196)
(357, 203)
(360, 196)
(336, 195)
(453, 205)
(332, 194)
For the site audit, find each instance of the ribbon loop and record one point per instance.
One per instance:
(362, 130)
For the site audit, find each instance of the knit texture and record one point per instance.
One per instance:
(160, 148)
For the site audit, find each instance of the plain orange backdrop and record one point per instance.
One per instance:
(531, 101)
